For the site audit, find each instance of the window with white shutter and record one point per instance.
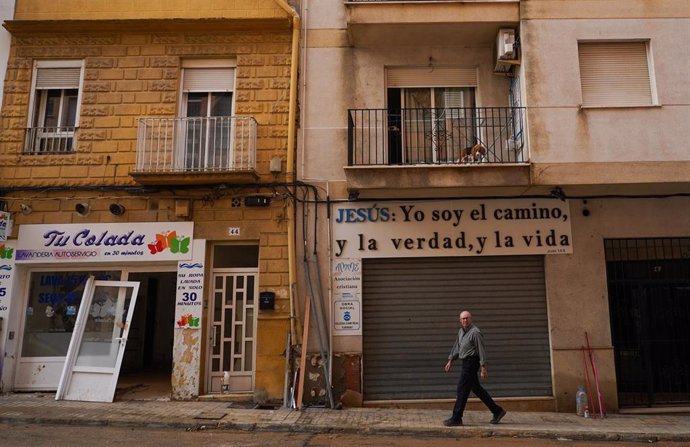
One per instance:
(208, 88)
(616, 74)
(54, 114)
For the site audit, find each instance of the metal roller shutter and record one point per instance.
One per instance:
(614, 74)
(410, 321)
(208, 80)
(57, 78)
(424, 77)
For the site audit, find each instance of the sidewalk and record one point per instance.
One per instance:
(43, 409)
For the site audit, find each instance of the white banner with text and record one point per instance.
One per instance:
(474, 227)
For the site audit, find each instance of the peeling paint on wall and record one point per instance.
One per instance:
(187, 338)
(186, 362)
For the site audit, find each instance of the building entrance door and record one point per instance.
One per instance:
(649, 305)
(233, 331)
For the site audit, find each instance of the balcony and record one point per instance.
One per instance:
(197, 150)
(50, 140)
(448, 147)
(384, 22)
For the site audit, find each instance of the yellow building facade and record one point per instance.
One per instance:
(153, 139)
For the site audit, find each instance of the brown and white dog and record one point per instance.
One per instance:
(475, 153)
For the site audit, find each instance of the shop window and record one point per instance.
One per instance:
(54, 115)
(51, 310)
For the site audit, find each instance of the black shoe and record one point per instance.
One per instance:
(450, 422)
(497, 417)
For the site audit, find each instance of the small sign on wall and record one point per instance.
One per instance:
(7, 271)
(347, 315)
(347, 292)
(233, 231)
(5, 225)
(190, 291)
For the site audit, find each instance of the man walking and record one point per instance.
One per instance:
(469, 347)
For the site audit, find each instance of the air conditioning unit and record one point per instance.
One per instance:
(506, 51)
(505, 44)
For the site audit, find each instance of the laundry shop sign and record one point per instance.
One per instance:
(146, 241)
(451, 228)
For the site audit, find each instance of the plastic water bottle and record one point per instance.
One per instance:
(581, 400)
(226, 381)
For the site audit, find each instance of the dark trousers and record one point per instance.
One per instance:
(469, 381)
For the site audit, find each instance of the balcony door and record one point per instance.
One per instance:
(207, 124)
(430, 125)
(431, 114)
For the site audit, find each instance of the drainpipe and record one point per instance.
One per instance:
(291, 164)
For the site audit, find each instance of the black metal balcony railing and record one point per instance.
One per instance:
(436, 136)
(50, 140)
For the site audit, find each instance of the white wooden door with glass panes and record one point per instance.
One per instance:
(232, 343)
(94, 356)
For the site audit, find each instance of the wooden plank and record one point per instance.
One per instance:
(303, 358)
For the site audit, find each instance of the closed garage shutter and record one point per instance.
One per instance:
(410, 321)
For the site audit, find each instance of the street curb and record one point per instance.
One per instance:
(457, 432)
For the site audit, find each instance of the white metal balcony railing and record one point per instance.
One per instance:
(198, 144)
(50, 140)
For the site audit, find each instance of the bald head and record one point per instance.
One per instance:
(465, 319)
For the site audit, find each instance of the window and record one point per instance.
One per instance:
(207, 106)
(431, 114)
(54, 114)
(51, 311)
(235, 256)
(616, 74)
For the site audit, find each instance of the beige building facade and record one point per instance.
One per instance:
(148, 144)
(520, 159)
(524, 160)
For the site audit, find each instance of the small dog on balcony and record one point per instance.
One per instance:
(474, 154)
